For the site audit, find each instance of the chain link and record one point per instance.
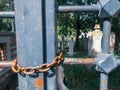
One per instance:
(39, 69)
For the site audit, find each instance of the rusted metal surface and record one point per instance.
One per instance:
(45, 67)
(4, 64)
(82, 8)
(38, 69)
(103, 81)
(29, 35)
(39, 83)
(60, 78)
(79, 60)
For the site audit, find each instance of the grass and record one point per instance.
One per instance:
(80, 77)
(85, 77)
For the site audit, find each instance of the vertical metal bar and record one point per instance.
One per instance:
(28, 20)
(106, 35)
(103, 81)
(12, 20)
(105, 46)
(44, 40)
(51, 40)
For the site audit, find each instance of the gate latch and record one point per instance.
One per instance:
(105, 63)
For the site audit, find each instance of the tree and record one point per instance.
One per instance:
(5, 23)
(73, 23)
(116, 30)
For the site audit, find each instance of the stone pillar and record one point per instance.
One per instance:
(89, 43)
(85, 42)
(71, 46)
(96, 41)
(112, 42)
(62, 43)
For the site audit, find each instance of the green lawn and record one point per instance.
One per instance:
(85, 77)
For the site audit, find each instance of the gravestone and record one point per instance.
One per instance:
(81, 41)
(62, 43)
(71, 46)
(85, 42)
(112, 42)
(96, 41)
(89, 42)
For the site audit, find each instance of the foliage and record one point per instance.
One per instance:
(85, 77)
(114, 80)
(76, 23)
(4, 5)
(68, 21)
(5, 23)
(65, 24)
(76, 55)
(80, 77)
(116, 24)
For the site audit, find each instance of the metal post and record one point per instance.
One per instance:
(50, 41)
(106, 35)
(105, 46)
(28, 20)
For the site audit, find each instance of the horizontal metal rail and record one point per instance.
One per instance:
(7, 14)
(79, 61)
(87, 8)
(4, 64)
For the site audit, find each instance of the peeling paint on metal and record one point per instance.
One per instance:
(105, 82)
(39, 83)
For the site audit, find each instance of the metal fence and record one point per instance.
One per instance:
(35, 23)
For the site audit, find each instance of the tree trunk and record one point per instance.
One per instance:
(77, 34)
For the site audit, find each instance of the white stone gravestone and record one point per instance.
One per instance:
(96, 41)
(71, 46)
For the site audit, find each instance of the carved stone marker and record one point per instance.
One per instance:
(71, 46)
(62, 43)
(89, 42)
(96, 41)
(112, 42)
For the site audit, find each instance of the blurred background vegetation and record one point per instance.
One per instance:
(6, 24)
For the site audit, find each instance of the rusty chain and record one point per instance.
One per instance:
(38, 69)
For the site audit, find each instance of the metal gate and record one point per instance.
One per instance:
(35, 23)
